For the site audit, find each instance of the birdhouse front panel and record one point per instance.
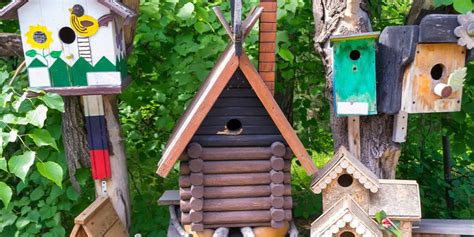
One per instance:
(354, 75)
(72, 44)
(434, 81)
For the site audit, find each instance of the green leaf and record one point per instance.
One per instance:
(462, 6)
(42, 137)
(201, 27)
(51, 171)
(5, 98)
(286, 55)
(37, 116)
(17, 103)
(379, 216)
(20, 165)
(55, 54)
(3, 77)
(3, 164)
(31, 53)
(12, 135)
(186, 11)
(53, 101)
(37, 194)
(5, 193)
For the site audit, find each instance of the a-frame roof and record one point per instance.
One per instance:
(346, 213)
(207, 96)
(344, 160)
(10, 10)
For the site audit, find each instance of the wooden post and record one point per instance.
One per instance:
(353, 135)
(196, 164)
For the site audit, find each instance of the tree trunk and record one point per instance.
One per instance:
(378, 152)
(10, 45)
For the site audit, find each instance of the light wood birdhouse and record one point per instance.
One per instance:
(73, 47)
(354, 74)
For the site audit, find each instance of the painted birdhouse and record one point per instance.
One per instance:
(354, 83)
(422, 68)
(235, 147)
(352, 195)
(73, 47)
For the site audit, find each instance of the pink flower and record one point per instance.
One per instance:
(386, 223)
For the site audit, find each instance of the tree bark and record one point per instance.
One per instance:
(10, 45)
(378, 152)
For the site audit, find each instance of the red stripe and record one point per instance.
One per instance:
(100, 160)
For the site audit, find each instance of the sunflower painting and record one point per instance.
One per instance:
(39, 37)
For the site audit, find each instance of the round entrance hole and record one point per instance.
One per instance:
(234, 125)
(345, 180)
(347, 234)
(354, 55)
(437, 71)
(67, 35)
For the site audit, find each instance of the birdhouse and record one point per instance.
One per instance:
(352, 195)
(235, 146)
(354, 84)
(73, 47)
(422, 68)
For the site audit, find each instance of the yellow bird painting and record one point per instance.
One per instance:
(85, 25)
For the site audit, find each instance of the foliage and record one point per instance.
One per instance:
(461, 6)
(32, 164)
(388, 226)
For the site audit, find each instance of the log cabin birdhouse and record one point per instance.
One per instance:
(73, 47)
(421, 69)
(352, 195)
(234, 143)
(354, 84)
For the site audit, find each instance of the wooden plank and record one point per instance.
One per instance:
(444, 227)
(268, 17)
(236, 141)
(245, 166)
(353, 134)
(238, 92)
(235, 153)
(268, 76)
(219, 180)
(231, 225)
(117, 230)
(237, 191)
(396, 50)
(269, 6)
(418, 83)
(197, 111)
(169, 197)
(237, 110)
(438, 28)
(235, 217)
(400, 127)
(267, 37)
(237, 204)
(267, 47)
(234, 102)
(223, 21)
(266, 57)
(277, 115)
(247, 130)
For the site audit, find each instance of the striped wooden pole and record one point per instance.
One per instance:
(267, 43)
(97, 136)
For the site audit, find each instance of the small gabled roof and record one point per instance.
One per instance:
(344, 160)
(345, 213)
(207, 96)
(116, 6)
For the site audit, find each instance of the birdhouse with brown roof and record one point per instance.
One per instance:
(235, 145)
(73, 47)
(352, 195)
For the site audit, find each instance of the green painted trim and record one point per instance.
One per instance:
(36, 63)
(370, 35)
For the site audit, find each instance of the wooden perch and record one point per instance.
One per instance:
(10, 45)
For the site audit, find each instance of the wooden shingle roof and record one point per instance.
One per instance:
(10, 10)
(207, 96)
(344, 160)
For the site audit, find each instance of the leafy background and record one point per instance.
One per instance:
(176, 45)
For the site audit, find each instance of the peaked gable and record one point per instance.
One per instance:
(10, 10)
(345, 214)
(207, 96)
(341, 161)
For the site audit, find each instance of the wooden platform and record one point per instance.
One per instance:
(441, 227)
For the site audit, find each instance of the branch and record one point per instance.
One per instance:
(10, 45)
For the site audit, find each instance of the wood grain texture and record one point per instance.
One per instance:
(396, 50)
(198, 109)
(236, 204)
(243, 166)
(10, 45)
(267, 42)
(236, 141)
(277, 115)
(235, 217)
(239, 191)
(353, 133)
(418, 85)
(219, 180)
(438, 28)
(443, 227)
